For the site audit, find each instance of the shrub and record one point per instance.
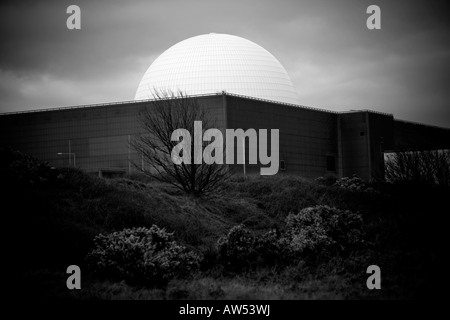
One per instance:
(86, 185)
(141, 256)
(271, 248)
(327, 180)
(430, 167)
(354, 184)
(241, 248)
(24, 168)
(322, 229)
(237, 248)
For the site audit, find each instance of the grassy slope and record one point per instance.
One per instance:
(53, 224)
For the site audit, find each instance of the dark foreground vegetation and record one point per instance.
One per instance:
(279, 237)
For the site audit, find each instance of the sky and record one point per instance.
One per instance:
(333, 59)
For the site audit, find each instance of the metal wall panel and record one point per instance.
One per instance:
(307, 136)
(97, 136)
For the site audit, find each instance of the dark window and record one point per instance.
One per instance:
(331, 163)
(362, 133)
(282, 165)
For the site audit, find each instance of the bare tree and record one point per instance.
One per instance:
(430, 167)
(166, 113)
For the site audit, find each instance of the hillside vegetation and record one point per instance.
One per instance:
(280, 237)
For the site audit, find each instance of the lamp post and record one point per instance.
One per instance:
(70, 157)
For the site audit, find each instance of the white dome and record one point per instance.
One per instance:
(213, 63)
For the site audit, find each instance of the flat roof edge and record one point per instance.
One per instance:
(421, 124)
(211, 95)
(155, 99)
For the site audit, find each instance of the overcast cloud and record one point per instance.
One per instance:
(334, 61)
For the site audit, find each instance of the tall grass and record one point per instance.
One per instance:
(52, 217)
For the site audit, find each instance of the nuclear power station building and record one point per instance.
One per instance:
(243, 86)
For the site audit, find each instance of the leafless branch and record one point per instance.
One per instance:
(165, 114)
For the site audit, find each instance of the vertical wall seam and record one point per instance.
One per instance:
(339, 142)
(369, 153)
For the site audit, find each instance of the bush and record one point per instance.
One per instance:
(86, 185)
(24, 168)
(141, 256)
(237, 248)
(354, 184)
(241, 248)
(327, 180)
(271, 248)
(430, 167)
(312, 232)
(322, 229)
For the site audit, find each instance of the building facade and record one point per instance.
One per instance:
(312, 142)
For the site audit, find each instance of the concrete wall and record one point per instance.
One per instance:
(307, 135)
(410, 136)
(97, 135)
(354, 144)
(310, 139)
(381, 138)
(364, 135)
